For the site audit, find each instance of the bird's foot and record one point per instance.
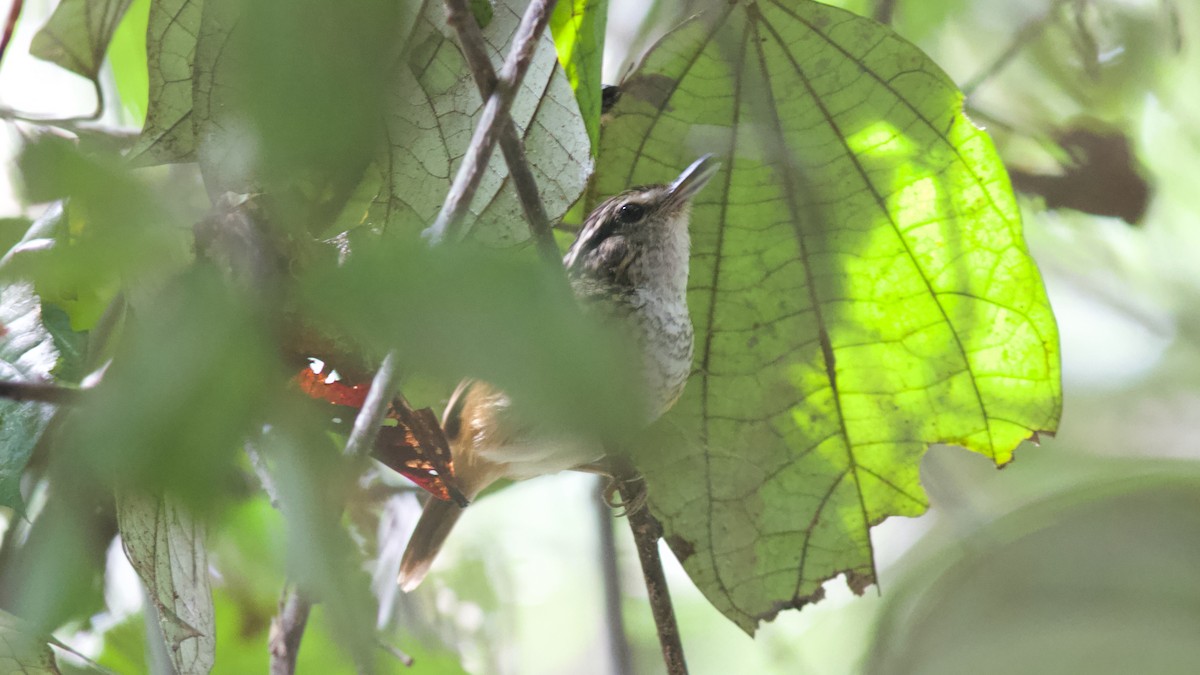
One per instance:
(626, 492)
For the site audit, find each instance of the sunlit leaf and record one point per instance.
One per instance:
(578, 29)
(859, 285)
(166, 546)
(27, 354)
(77, 34)
(127, 57)
(22, 652)
(168, 135)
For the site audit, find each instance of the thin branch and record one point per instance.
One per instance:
(471, 39)
(646, 533)
(10, 24)
(287, 628)
(1024, 36)
(620, 655)
(42, 393)
(396, 653)
(370, 417)
(495, 113)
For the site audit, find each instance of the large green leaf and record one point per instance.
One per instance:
(77, 34)
(578, 29)
(859, 285)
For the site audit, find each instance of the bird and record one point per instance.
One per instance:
(628, 263)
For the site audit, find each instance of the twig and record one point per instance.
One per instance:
(397, 653)
(472, 42)
(42, 393)
(646, 533)
(287, 628)
(618, 643)
(495, 112)
(10, 24)
(1026, 34)
(370, 417)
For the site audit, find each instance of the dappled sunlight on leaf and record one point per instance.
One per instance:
(859, 285)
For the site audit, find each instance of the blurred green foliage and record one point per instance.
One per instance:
(295, 100)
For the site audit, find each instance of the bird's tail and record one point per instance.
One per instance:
(437, 520)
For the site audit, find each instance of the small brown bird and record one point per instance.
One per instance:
(630, 262)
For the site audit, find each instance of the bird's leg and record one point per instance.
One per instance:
(619, 480)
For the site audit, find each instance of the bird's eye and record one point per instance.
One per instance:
(631, 213)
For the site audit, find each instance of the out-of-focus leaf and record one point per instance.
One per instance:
(56, 573)
(27, 354)
(22, 652)
(310, 478)
(192, 375)
(1078, 583)
(166, 546)
(125, 646)
(289, 99)
(433, 111)
(112, 229)
(487, 314)
(12, 230)
(77, 34)
(168, 135)
(127, 56)
(578, 29)
(860, 289)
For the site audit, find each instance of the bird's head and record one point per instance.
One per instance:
(643, 223)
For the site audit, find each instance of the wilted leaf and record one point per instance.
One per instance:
(859, 285)
(578, 29)
(77, 34)
(27, 354)
(23, 652)
(166, 546)
(168, 135)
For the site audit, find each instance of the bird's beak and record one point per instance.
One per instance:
(694, 178)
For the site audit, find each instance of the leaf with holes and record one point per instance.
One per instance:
(76, 36)
(859, 285)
